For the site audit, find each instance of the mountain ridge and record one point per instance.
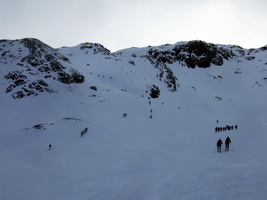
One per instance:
(32, 58)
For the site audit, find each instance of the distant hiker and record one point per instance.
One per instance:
(217, 121)
(235, 126)
(227, 142)
(84, 131)
(219, 145)
(49, 147)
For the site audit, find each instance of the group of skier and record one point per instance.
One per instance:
(226, 128)
(219, 142)
(227, 143)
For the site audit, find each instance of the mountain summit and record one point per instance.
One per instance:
(31, 67)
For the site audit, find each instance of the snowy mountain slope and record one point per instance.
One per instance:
(163, 149)
(31, 65)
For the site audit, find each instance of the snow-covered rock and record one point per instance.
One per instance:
(29, 66)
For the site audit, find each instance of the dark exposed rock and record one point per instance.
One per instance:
(39, 51)
(15, 75)
(154, 91)
(44, 69)
(39, 126)
(35, 59)
(193, 54)
(74, 77)
(77, 77)
(56, 66)
(30, 89)
(93, 88)
(18, 95)
(19, 82)
(49, 57)
(263, 48)
(95, 47)
(36, 66)
(165, 74)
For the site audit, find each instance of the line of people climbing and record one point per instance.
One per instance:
(220, 143)
(226, 128)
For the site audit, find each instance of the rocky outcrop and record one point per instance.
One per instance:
(95, 48)
(33, 65)
(154, 91)
(193, 54)
(165, 74)
(27, 87)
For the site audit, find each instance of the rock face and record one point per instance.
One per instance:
(154, 91)
(31, 64)
(193, 54)
(29, 67)
(97, 48)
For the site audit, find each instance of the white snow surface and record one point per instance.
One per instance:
(170, 156)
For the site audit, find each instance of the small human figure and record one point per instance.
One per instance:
(219, 145)
(227, 142)
(50, 147)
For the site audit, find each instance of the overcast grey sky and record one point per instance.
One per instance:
(119, 24)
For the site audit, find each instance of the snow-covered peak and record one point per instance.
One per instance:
(29, 67)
